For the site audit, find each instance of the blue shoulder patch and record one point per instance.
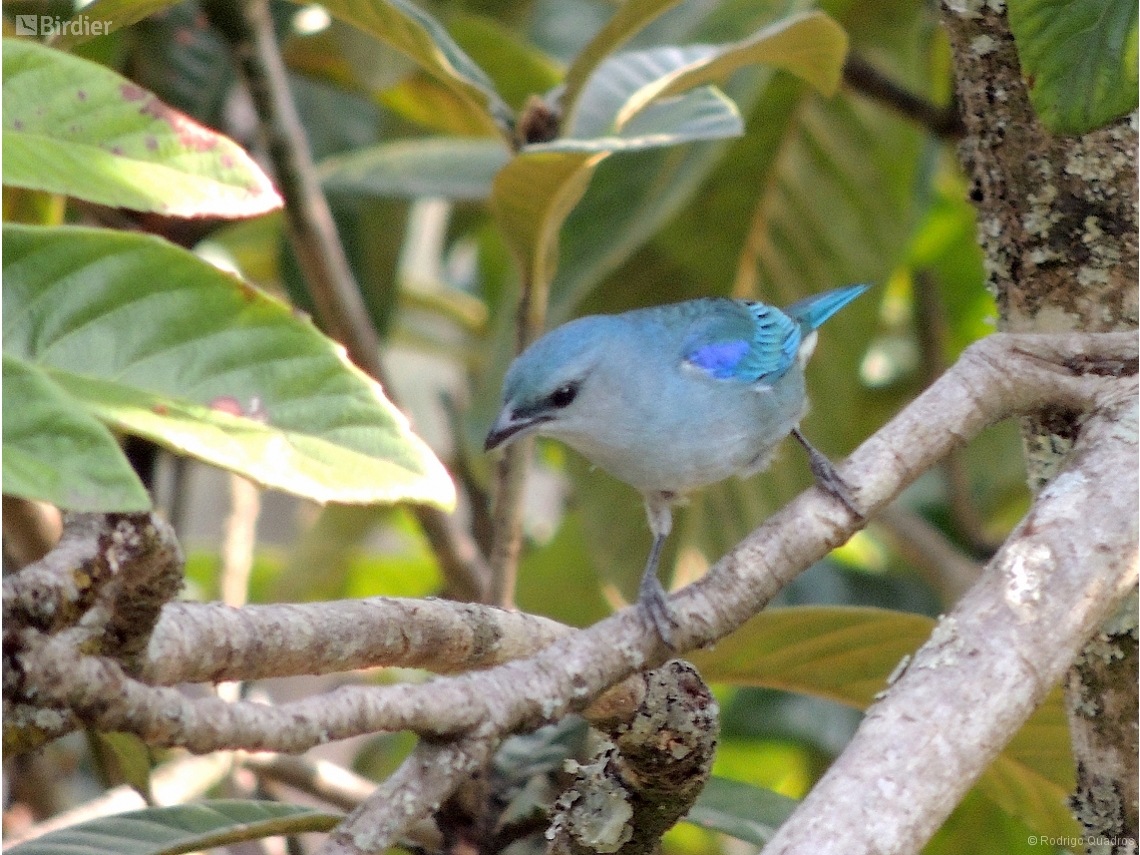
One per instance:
(719, 359)
(752, 343)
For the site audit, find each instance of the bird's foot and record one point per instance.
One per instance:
(826, 475)
(653, 603)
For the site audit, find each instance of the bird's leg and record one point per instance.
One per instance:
(825, 474)
(651, 596)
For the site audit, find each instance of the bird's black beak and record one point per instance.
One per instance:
(510, 424)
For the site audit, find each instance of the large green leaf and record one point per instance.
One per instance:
(705, 113)
(154, 341)
(811, 46)
(630, 17)
(1033, 777)
(1080, 57)
(530, 198)
(740, 810)
(836, 652)
(413, 32)
(847, 654)
(182, 828)
(57, 453)
(75, 127)
(518, 69)
(441, 166)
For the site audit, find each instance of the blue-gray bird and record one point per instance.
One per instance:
(673, 398)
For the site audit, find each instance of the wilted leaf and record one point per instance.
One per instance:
(75, 127)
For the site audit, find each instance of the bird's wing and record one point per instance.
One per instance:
(756, 343)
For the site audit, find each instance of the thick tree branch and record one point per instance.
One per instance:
(129, 564)
(991, 661)
(995, 377)
(1058, 219)
(646, 778)
(211, 642)
(107, 699)
(416, 790)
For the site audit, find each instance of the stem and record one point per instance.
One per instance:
(867, 80)
(248, 28)
(510, 480)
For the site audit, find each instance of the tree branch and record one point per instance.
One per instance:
(996, 377)
(415, 790)
(646, 778)
(211, 642)
(990, 662)
(864, 78)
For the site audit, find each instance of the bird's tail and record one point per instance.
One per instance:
(812, 311)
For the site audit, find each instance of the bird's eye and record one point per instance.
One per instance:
(563, 395)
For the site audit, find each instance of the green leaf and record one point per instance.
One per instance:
(110, 15)
(1080, 57)
(531, 197)
(57, 453)
(629, 18)
(701, 114)
(846, 654)
(980, 827)
(413, 32)
(156, 342)
(124, 757)
(841, 653)
(518, 68)
(182, 828)
(1033, 776)
(443, 166)
(811, 46)
(423, 99)
(74, 127)
(748, 813)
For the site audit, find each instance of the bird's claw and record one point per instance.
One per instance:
(827, 477)
(653, 603)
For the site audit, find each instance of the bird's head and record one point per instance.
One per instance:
(549, 386)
